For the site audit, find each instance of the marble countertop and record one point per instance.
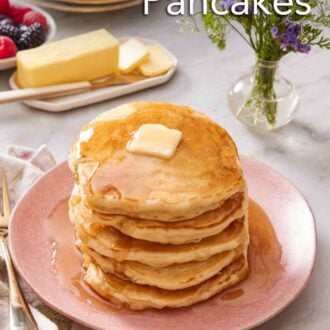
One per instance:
(300, 151)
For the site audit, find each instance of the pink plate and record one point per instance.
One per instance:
(287, 256)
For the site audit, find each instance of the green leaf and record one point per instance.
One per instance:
(216, 28)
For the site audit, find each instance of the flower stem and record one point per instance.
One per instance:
(262, 97)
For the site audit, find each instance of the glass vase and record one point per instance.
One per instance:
(263, 99)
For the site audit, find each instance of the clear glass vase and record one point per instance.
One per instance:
(263, 99)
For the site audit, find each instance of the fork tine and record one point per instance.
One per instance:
(5, 196)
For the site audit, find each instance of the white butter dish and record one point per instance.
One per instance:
(69, 102)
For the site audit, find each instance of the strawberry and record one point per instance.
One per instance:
(32, 17)
(4, 6)
(7, 47)
(17, 12)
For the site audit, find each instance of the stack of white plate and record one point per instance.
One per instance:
(86, 6)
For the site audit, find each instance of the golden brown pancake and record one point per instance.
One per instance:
(111, 243)
(202, 174)
(139, 297)
(174, 277)
(180, 232)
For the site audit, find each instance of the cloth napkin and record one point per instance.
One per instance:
(23, 166)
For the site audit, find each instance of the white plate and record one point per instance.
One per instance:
(10, 62)
(70, 102)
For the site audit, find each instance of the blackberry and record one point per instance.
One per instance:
(22, 28)
(7, 21)
(33, 36)
(10, 31)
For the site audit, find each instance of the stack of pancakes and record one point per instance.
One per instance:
(159, 232)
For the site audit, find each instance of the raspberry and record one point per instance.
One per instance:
(4, 6)
(7, 48)
(34, 17)
(33, 36)
(17, 12)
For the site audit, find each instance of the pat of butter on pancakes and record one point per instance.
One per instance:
(155, 140)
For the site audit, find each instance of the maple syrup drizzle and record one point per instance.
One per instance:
(111, 169)
(67, 260)
(232, 294)
(264, 256)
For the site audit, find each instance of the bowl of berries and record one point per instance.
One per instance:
(22, 27)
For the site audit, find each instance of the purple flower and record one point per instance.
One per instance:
(289, 38)
(289, 41)
(286, 39)
(298, 29)
(290, 28)
(293, 29)
(294, 44)
(304, 48)
(226, 4)
(275, 31)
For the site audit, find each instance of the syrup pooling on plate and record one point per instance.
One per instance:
(265, 259)
(67, 261)
(230, 295)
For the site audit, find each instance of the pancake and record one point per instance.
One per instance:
(174, 277)
(139, 297)
(109, 242)
(204, 171)
(180, 232)
(157, 232)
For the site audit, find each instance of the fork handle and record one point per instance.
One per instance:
(20, 316)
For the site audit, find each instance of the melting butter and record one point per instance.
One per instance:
(155, 140)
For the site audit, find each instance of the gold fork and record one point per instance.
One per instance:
(20, 316)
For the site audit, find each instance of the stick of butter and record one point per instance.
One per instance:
(158, 63)
(81, 58)
(132, 54)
